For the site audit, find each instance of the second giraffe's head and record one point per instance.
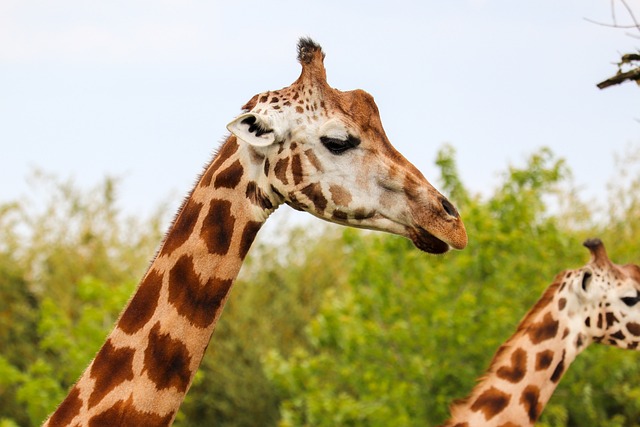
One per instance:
(324, 151)
(607, 298)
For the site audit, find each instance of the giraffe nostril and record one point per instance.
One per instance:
(449, 208)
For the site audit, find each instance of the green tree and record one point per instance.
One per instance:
(66, 268)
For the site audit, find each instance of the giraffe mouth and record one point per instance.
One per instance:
(427, 242)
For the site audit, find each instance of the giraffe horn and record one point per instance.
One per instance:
(311, 57)
(598, 252)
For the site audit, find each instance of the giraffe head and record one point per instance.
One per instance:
(325, 151)
(609, 299)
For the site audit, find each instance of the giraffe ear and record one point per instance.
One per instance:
(254, 129)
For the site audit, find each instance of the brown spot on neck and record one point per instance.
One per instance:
(67, 410)
(530, 399)
(197, 302)
(217, 227)
(124, 413)
(544, 359)
(111, 367)
(229, 177)
(228, 149)
(559, 370)
(166, 361)
(182, 227)
(248, 236)
(544, 330)
(257, 196)
(143, 304)
(518, 368)
(491, 402)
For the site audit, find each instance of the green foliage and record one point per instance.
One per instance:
(330, 326)
(66, 268)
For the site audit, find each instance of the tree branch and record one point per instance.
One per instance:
(633, 75)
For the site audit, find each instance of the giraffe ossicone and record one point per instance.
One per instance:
(598, 303)
(308, 145)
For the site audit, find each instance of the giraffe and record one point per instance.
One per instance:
(310, 146)
(597, 303)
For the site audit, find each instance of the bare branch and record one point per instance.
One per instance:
(614, 25)
(629, 58)
(614, 19)
(633, 75)
(630, 12)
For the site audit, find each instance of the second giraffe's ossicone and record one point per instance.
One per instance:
(325, 151)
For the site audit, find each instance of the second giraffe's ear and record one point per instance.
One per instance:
(254, 129)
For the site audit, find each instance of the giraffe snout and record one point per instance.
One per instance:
(454, 231)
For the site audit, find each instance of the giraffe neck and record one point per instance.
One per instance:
(526, 370)
(142, 373)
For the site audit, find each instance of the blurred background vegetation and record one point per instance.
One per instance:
(331, 326)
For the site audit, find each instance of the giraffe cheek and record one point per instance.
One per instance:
(340, 196)
(313, 192)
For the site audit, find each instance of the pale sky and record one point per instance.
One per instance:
(142, 90)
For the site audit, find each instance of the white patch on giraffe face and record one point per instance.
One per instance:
(625, 297)
(333, 128)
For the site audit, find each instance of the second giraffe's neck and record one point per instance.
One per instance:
(525, 370)
(142, 373)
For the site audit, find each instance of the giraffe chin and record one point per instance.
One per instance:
(427, 242)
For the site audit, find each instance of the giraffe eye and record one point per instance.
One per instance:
(631, 301)
(339, 146)
(585, 280)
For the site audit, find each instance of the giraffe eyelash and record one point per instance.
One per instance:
(339, 146)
